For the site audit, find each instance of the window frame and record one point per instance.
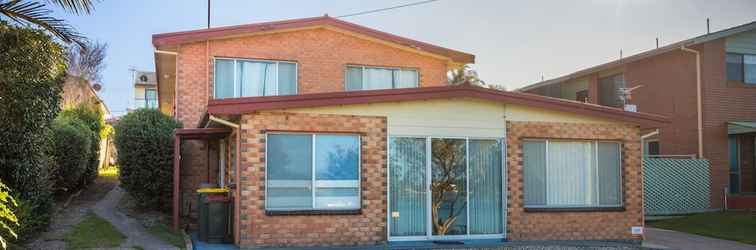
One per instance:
(313, 158)
(237, 84)
(577, 208)
(147, 99)
(363, 67)
(743, 82)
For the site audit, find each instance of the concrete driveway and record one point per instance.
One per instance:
(661, 238)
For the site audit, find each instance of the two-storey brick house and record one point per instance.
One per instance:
(331, 133)
(706, 85)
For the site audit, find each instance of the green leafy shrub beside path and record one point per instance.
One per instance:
(144, 141)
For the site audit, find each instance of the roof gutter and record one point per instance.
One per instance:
(698, 98)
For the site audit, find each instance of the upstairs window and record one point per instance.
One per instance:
(243, 78)
(741, 68)
(369, 78)
(609, 89)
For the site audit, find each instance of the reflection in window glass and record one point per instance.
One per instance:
(307, 172)
(749, 66)
(734, 67)
(289, 172)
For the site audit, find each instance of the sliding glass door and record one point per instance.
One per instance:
(449, 186)
(445, 188)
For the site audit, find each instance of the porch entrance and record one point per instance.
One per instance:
(446, 188)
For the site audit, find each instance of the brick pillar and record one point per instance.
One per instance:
(593, 89)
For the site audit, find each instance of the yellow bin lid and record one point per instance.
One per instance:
(212, 190)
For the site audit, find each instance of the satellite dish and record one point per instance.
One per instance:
(97, 86)
(143, 78)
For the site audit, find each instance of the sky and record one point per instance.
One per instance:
(516, 43)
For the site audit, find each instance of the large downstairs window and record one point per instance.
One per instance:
(369, 78)
(307, 172)
(242, 78)
(572, 174)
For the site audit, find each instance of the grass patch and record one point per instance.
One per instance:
(111, 171)
(167, 234)
(737, 226)
(93, 232)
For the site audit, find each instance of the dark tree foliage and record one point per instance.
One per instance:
(71, 152)
(31, 80)
(37, 14)
(144, 142)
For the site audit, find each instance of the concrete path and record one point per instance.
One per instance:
(661, 238)
(136, 233)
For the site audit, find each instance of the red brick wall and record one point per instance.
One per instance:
(259, 229)
(321, 55)
(522, 225)
(669, 88)
(721, 104)
(195, 170)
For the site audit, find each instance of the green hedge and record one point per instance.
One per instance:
(71, 152)
(144, 142)
(32, 70)
(93, 119)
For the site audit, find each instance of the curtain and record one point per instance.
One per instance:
(749, 65)
(405, 78)
(570, 174)
(257, 78)
(407, 191)
(609, 173)
(289, 175)
(734, 67)
(287, 79)
(376, 78)
(224, 79)
(485, 169)
(534, 159)
(354, 78)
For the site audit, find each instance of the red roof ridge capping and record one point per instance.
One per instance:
(252, 104)
(180, 37)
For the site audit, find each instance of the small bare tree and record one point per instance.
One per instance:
(87, 62)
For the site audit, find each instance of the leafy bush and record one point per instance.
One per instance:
(71, 152)
(31, 80)
(144, 142)
(93, 119)
(7, 217)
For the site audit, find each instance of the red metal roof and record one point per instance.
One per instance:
(175, 38)
(251, 104)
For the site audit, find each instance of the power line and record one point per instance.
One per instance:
(388, 8)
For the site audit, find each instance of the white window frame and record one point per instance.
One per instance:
(237, 84)
(598, 181)
(393, 84)
(314, 182)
